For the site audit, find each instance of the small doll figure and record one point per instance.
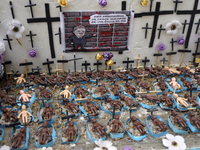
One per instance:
(102, 89)
(71, 106)
(80, 91)
(25, 97)
(128, 100)
(194, 120)
(181, 101)
(186, 83)
(9, 115)
(130, 89)
(113, 102)
(8, 99)
(24, 115)
(44, 132)
(162, 84)
(139, 125)
(92, 107)
(116, 123)
(174, 84)
(165, 98)
(97, 126)
(179, 120)
(115, 89)
(143, 85)
(70, 132)
(47, 112)
(45, 93)
(158, 123)
(191, 100)
(20, 79)
(66, 93)
(18, 138)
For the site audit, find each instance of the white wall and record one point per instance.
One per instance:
(139, 45)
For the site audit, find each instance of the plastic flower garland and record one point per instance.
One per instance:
(173, 27)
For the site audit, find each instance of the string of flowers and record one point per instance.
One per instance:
(107, 57)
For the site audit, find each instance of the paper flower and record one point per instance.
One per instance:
(62, 3)
(1, 75)
(174, 142)
(103, 3)
(144, 2)
(161, 47)
(15, 29)
(127, 148)
(107, 56)
(109, 62)
(181, 41)
(45, 148)
(32, 53)
(173, 27)
(2, 47)
(99, 56)
(104, 145)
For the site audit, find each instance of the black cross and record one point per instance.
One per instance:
(130, 109)
(59, 33)
(164, 60)
(8, 40)
(48, 65)
(146, 29)
(11, 9)
(160, 29)
(191, 89)
(127, 62)
(26, 64)
(68, 116)
(127, 79)
(172, 44)
(156, 15)
(152, 110)
(176, 4)
(36, 70)
(31, 37)
(41, 99)
(184, 25)
(198, 23)
(75, 59)
(151, 3)
(197, 47)
(59, 8)
(145, 61)
(86, 64)
(97, 64)
(49, 20)
(192, 13)
(31, 9)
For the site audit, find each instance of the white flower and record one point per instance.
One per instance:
(104, 145)
(174, 142)
(1, 75)
(5, 147)
(2, 47)
(44, 148)
(15, 29)
(173, 27)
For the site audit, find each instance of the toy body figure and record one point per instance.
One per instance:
(143, 85)
(71, 106)
(25, 97)
(45, 93)
(113, 102)
(8, 99)
(108, 75)
(119, 74)
(128, 100)
(181, 101)
(80, 91)
(103, 89)
(115, 89)
(18, 138)
(162, 84)
(150, 97)
(24, 115)
(158, 123)
(165, 98)
(139, 125)
(191, 100)
(70, 78)
(130, 89)
(48, 111)
(83, 77)
(20, 79)
(66, 93)
(97, 126)
(131, 74)
(44, 132)
(60, 80)
(179, 120)
(174, 84)
(70, 132)
(186, 83)
(92, 107)
(194, 120)
(116, 123)
(49, 80)
(9, 115)
(37, 80)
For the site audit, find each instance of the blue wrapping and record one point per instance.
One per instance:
(192, 128)
(89, 135)
(166, 108)
(151, 132)
(112, 96)
(38, 113)
(154, 82)
(182, 108)
(147, 106)
(134, 138)
(2, 134)
(110, 112)
(19, 85)
(93, 94)
(27, 137)
(171, 89)
(178, 131)
(125, 103)
(123, 88)
(116, 135)
(78, 114)
(84, 88)
(31, 100)
(32, 118)
(185, 88)
(67, 141)
(53, 135)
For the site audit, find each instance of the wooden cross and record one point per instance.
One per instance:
(36, 70)
(137, 60)
(8, 40)
(172, 44)
(31, 37)
(48, 65)
(86, 64)
(97, 64)
(57, 70)
(191, 89)
(63, 61)
(182, 55)
(75, 59)
(196, 53)
(163, 62)
(170, 55)
(127, 62)
(157, 55)
(26, 64)
(5, 66)
(145, 61)
(31, 9)
(146, 29)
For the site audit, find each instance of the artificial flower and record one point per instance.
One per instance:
(15, 29)
(45, 148)
(107, 56)
(103, 3)
(2, 57)
(104, 145)
(62, 3)
(32, 53)
(161, 47)
(173, 27)
(2, 47)
(181, 41)
(1, 76)
(144, 2)
(99, 56)
(127, 148)
(109, 62)
(174, 142)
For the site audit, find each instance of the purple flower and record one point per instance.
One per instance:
(103, 3)
(180, 41)
(32, 53)
(161, 47)
(127, 148)
(107, 56)
(2, 57)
